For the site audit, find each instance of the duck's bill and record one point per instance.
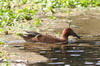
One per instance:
(76, 35)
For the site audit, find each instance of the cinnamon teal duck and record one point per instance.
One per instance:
(45, 38)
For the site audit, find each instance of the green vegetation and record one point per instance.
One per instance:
(2, 42)
(15, 12)
(3, 55)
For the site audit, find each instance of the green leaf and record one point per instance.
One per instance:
(33, 12)
(1, 29)
(1, 42)
(19, 34)
(52, 17)
(37, 23)
(68, 12)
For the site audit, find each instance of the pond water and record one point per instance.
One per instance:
(73, 56)
(83, 53)
(78, 54)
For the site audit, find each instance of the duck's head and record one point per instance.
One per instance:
(67, 32)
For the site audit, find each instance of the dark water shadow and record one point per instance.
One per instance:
(81, 53)
(73, 56)
(87, 54)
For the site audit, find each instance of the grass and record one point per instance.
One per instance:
(15, 12)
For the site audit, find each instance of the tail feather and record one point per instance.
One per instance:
(23, 36)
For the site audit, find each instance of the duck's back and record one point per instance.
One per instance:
(37, 37)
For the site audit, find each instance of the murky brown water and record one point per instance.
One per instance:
(73, 56)
(82, 53)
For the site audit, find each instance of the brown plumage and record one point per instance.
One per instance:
(45, 38)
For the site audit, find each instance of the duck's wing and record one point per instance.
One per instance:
(30, 34)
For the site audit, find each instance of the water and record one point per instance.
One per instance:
(78, 56)
(86, 53)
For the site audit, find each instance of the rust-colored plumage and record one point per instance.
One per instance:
(45, 38)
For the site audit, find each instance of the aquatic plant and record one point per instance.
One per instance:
(1, 42)
(14, 12)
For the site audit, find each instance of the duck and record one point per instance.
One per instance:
(32, 36)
